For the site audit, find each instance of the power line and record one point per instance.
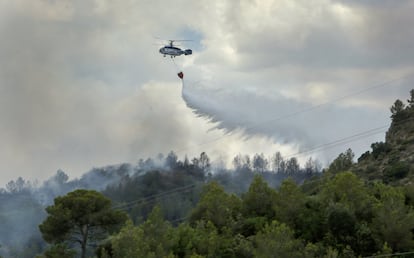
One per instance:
(154, 197)
(351, 138)
(383, 84)
(165, 194)
(380, 85)
(323, 146)
(341, 141)
(311, 108)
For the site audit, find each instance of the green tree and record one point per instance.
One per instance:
(259, 200)
(398, 111)
(349, 209)
(81, 216)
(153, 238)
(311, 221)
(341, 224)
(58, 251)
(380, 148)
(217, 207)
(393, 221)
(349, 191)
(205, 240)
(395, 171)
(342, 163)
(257, 207)
(277, 240)
(124, 243)
(397, 107)
(290, 202)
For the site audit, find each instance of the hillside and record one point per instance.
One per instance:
(392, 161)
(182, 189)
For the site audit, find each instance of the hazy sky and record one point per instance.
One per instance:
(82, 83)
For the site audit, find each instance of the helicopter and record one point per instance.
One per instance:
(174, 51)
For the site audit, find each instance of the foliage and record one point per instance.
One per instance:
(379, 148)
(394, 220)
(253, 210)
(397, 108)
(289, 202)
(399, 111)
(348, 190)
(58, 251)
(259, 199)
(82, 217)
(344, 218)
(151, 239)
(216, 206)
(391, 161)
(342, 163)
(396, 171)
(311, 220)
(277, 240)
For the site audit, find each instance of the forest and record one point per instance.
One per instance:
(262, 207)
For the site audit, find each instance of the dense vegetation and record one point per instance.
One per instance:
(342, 216)
(173, 184)
(263, 207)
(392, 161)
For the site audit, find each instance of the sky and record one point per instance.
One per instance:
(82, 83)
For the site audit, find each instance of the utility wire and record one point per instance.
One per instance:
(339, 142)
(354, 137)
(353, 94)
(311, 108)
(154, 197)
(347, 139)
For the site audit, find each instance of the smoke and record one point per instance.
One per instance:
(68, 70)
(285, 120)
(272, 84)
(23, 203)
(22, 206)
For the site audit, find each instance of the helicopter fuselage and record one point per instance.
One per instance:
(174, 51)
